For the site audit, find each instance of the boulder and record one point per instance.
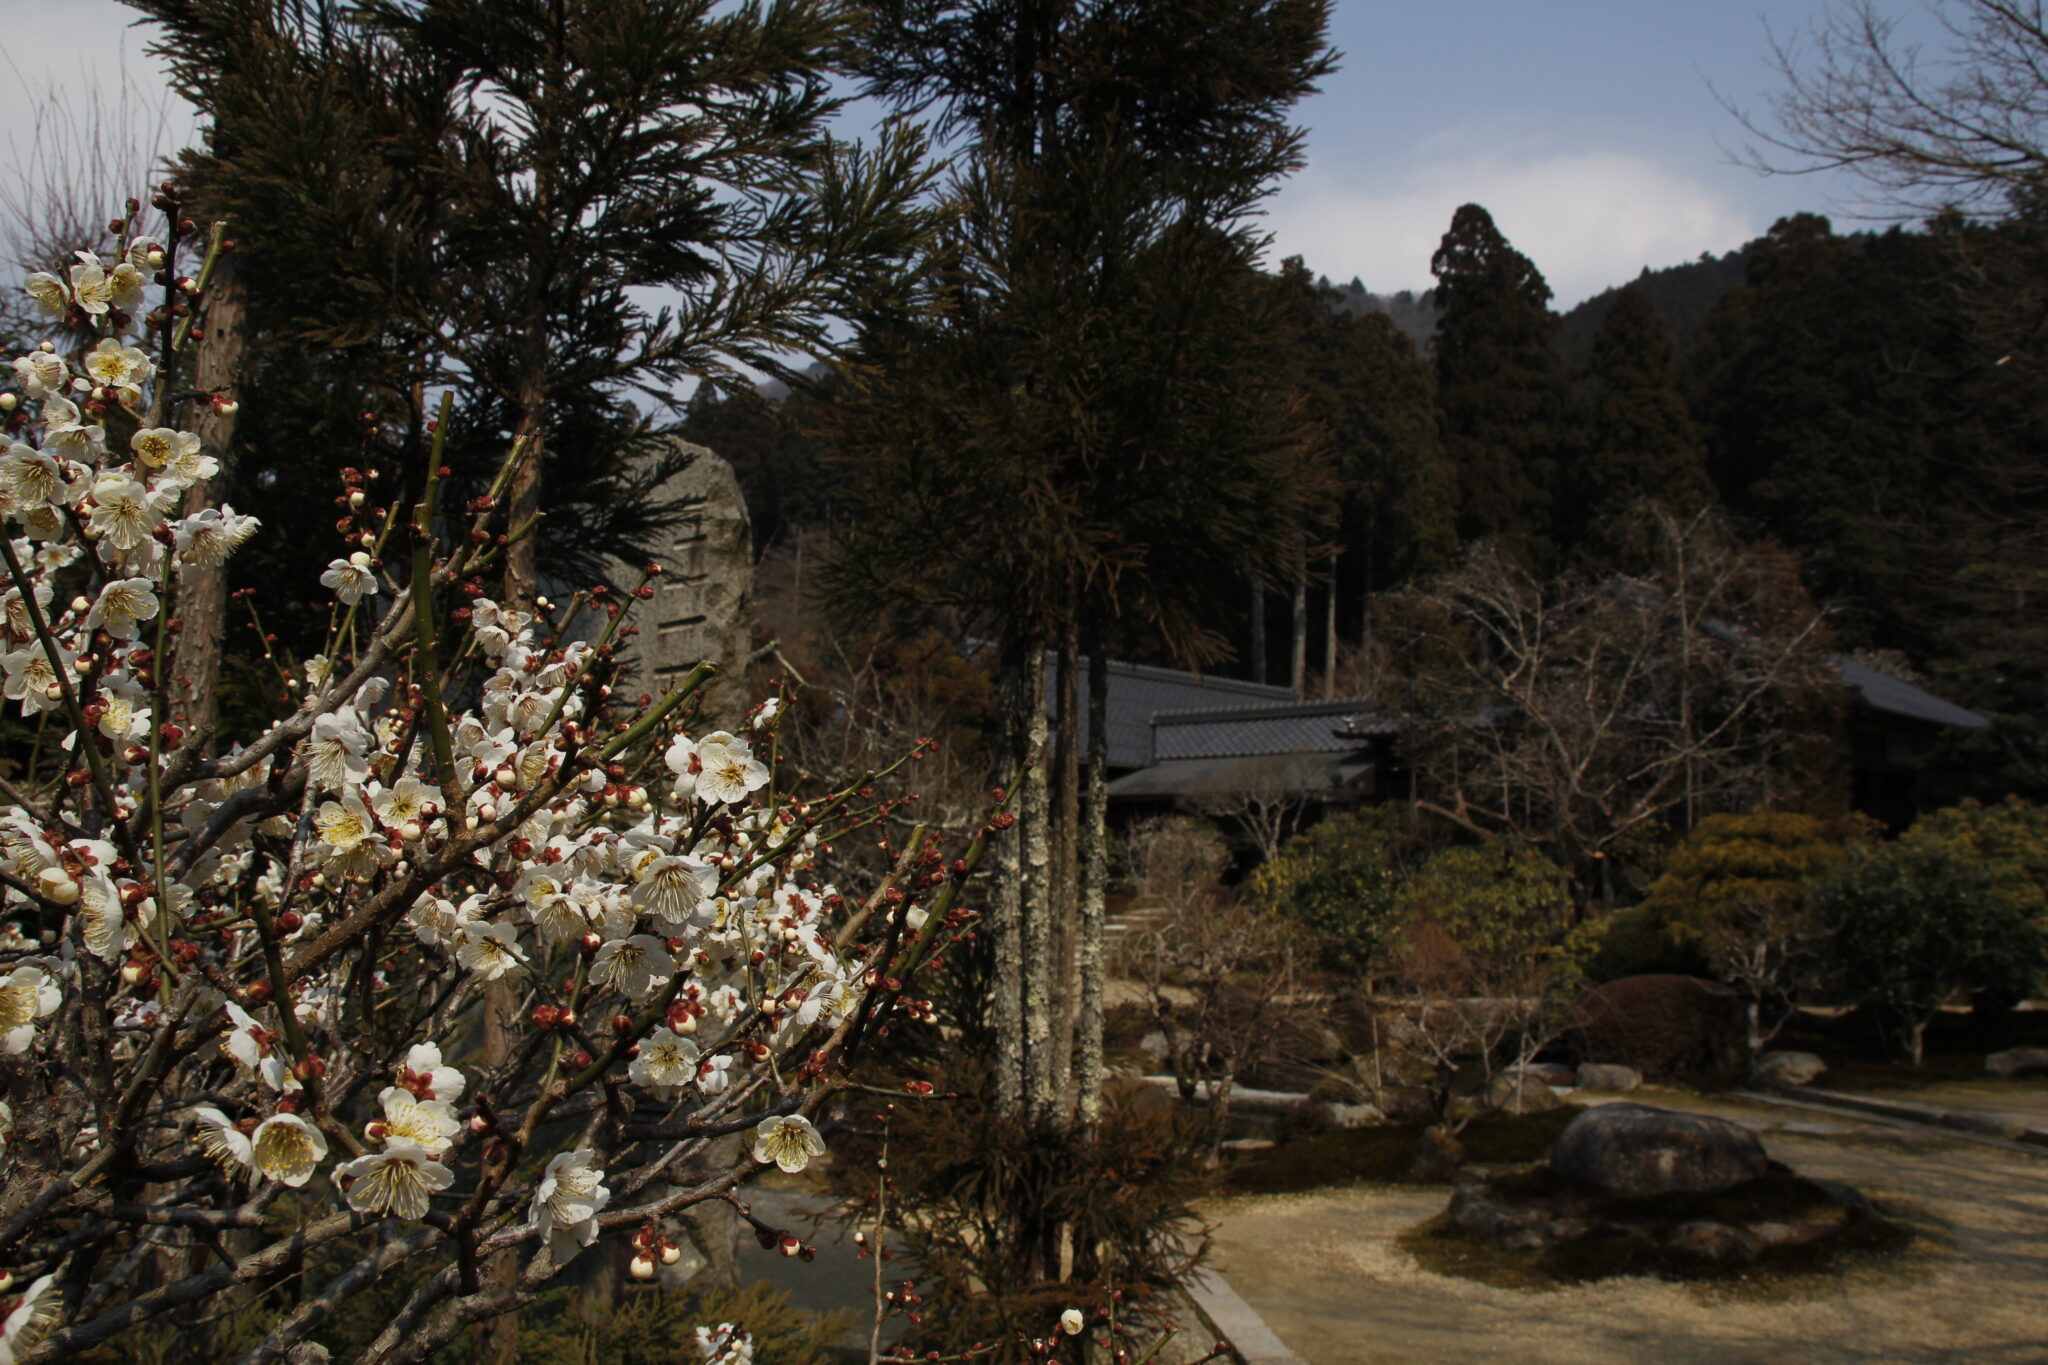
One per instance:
(1789, 1068)
(1153, 1046)
(1716, 1244)
(1632, 1151)
(1553, 1073)
(2018, 1061)
(1520, 1228)
(1519, 1092)
(1437, 1157)
(1608, 1076)
(1356, 1115)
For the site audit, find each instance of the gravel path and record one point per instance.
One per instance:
(1325, 1271)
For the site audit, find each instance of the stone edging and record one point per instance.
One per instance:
(1999, 1129)
(1234, 1321)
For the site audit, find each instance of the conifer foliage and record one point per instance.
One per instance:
(1500, 386)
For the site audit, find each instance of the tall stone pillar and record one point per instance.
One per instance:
(703, 603)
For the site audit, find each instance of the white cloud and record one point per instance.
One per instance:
(1588, 219)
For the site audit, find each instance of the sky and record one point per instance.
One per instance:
(1590, 128)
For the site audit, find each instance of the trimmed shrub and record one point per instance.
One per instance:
(1664, 1026)
(1341, 880)
(1944, 912)
(1631, 942)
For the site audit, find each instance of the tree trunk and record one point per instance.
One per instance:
(1006, 910)
(203, 592)
(1298, 658)
(522, 494)
(1041, 972)
(1094, 849)
(1067, 869)
(1258, 634)
(497, 1340)
(1330, 634)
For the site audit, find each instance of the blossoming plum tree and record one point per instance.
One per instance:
(240, 980)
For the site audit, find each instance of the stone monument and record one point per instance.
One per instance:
(702, 607)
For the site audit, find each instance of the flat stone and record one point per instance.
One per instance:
(1789, 1068)
(1608, 1077)
(1632, 1151)
(2018, 1061)
(1520, 1092)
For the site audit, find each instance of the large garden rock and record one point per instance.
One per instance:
(1608, 1076)
(1519, 1092)
(1789, 1068)
(1632, 1151)
(2018, 1061)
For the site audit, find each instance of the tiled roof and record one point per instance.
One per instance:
(1290, 727)
(1320, 775)
(1137, 692)
(1885, 693)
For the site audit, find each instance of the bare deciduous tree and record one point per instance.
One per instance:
(1965, 128)
(1577, 712)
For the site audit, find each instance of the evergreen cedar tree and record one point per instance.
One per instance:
(1639, 441)
(1500, 386)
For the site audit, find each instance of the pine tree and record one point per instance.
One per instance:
(1500, 387)
(1640, 441)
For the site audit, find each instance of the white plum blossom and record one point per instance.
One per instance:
(489, 950)
(210, 535)
(51, 296)
(666, 1064)
(724, 1344)
(338, 752)
(28, 1318)
(567, 1201)
(788, 1142)
(350, 578)
(399, 1181)
(426, 1076)
(31, 680)
(27, 993)
(287, 1149)
(221, 1138)
(122, 607)
(637, 966)
(124, 369)
(254, 1048)
(728, 770)
(42, 374)
(429, 1123)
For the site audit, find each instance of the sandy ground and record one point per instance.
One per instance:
(1325, 1271)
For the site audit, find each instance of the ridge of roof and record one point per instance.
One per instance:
(1287, 710)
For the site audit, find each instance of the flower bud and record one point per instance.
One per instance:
(9, 402)
(641, 1267)
(57, 885)
(134, 972)
(670, 1252)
